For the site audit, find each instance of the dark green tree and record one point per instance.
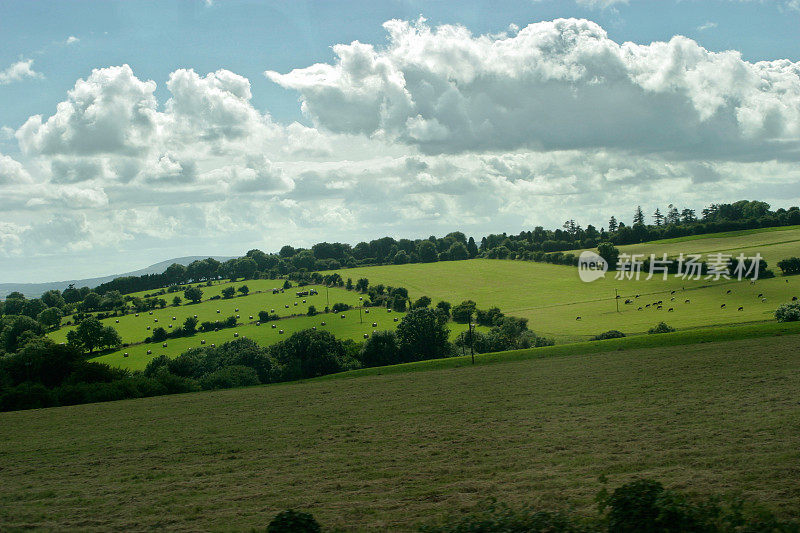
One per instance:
(193, 294)
(423, 334)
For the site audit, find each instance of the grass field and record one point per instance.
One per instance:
(550, 296)
(553, 296)
(390, 451)
(773, 244)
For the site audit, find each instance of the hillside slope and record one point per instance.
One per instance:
(390, 451)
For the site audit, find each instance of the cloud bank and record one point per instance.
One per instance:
(435, 131)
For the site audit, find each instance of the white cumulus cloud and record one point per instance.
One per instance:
(556, 85)
(18, 71)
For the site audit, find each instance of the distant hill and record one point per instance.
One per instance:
(34, 290)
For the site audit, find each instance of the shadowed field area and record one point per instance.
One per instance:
(393, 450)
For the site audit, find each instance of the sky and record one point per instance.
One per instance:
(134, 132)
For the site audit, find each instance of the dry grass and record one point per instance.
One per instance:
(391, 451)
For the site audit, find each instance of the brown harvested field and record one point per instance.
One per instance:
(397, 450)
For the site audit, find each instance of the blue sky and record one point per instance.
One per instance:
(57, 212)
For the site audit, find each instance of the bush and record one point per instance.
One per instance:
(463, 312)
(264, 316)
(229, 377)
(291, 521)
(311, 310)
(662, 327)
(610, 334)
(339, 307)
(789, 266)
(159, 335)
(788, 312)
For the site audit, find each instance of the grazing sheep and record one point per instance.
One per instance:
(396, 319)
(137, 315)
(687, 301)
(374, 324)
(117, 321)
(360, 298)
(673, 292)
(271, 310)
(740, 308)
(148, 328)
(794, 298)
(202, 342)
(670, 310)
(274, 326)
(155, 320)
(729, 291)
(366, 336)
(639, 309)
(659, 307)
(217, 311)
(235, 334)
(304, 301)
(577, 318)
(672, 299)
(314, 328)
(213, 345)
(760, 295)
(236, 310)
(722, 306)
(195, 316)
(342, 316)
(251, 317)
(295, 304)
(366, 311)
(286, 306)
(125, 354)
(258, 323)
(388, 310)
(637, 296)
(169, 326)
(280, 332)
(628, 301)
(164, 345)
(149, 352)
(763, 300)
(237, 316)
(173, 318)
(150, 313)
(323, 323)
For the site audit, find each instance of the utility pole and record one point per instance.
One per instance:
(471, 340)
(616, 297)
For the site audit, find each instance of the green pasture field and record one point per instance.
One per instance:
(389, 449)
(353, 326)
(133, 328)
(552, 297)
(773, 244)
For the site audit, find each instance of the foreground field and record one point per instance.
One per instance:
(393, 450)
